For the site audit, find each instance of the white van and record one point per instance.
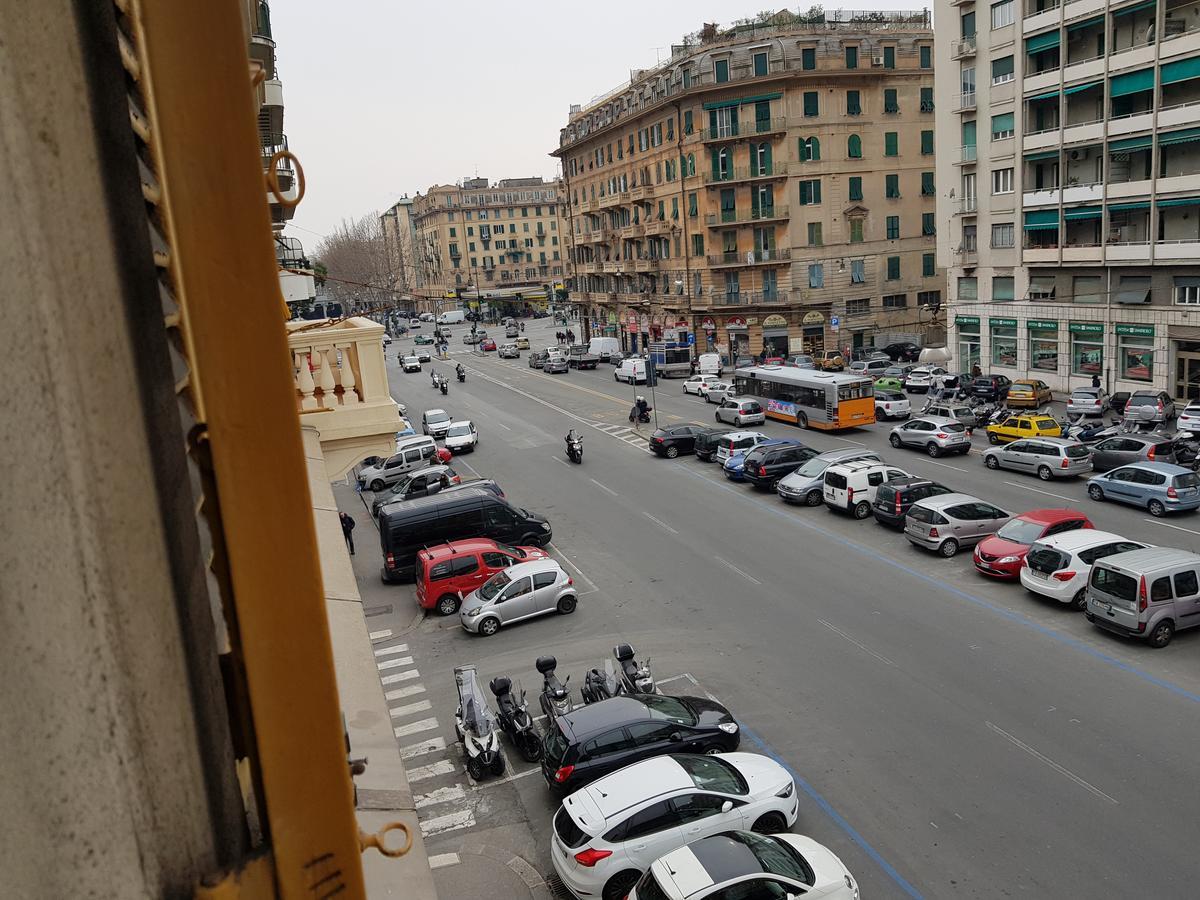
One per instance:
(850, 487)
(709, 364)
(604, 347)
(453, 317)
(631, 370)
(414, 452)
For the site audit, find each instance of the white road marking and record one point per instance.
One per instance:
(392, 651)
(501, 424)
(734, 568)
(452, 822)
(1017, 742)
(602, 487)
(404, 692)
(1036, 491)
(408, 709)
(862, 647)
(669, 680)
(416, 727)
(1169, 525)
(659, 522)
(400, 676)
(442, 860)
(570, 562)
(561, 462)
(441, 767)
(395, 663)
(945, 465)
(459, 461)
(507, 778)
(432, 745)
(380, 635)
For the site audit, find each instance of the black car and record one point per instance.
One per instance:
(990, 388)
(706, 442)
(903, 351)
(676, 439)
(600, 738)
(764, 466)
(1118, 401)
(893, 499)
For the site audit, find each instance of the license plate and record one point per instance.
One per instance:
(1037, 573)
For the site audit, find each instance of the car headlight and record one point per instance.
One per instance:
(472, 613)
(788, 790)
(545, 526)
(729, 727)
(1008, 559)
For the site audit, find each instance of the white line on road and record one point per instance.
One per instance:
(507, 778)
(408, 709)
(669, 680)
(380, 635)
(405, 692)
(442, 860)
(602, 487)
(432, 745)
(570, 562)
(734, 568)
(501, 424)
(392, 651)
(395, 663)
(1036, 491)
(400, 676)
(945, 465)
(1051, 763)
(416, 727)
(441, 795)
(452, 822)
(459, 461)
(561, 462)
(862, 647)
(441, 767)
(1169, 525)
(659, 522)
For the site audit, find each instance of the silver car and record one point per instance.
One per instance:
(807, 483)
(1123, 449)
(948, 522)
(958, 411)
(555, 365)
(716, 391)
(1150, 406)
(1087, 401)
(1045, 457)
(518, 592)
(435, 422)
(741, 412)
(935, 435)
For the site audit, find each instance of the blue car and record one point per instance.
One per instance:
(734, 467)
(1158, 487)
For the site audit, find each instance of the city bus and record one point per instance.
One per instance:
(809, 398)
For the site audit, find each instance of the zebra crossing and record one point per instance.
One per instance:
(622, 433)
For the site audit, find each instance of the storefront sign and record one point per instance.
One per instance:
(1002, 323)
(1086, 328)
(708, 324)
(735, 322)
(813, 318)
(966, 320)
(1042, 325)
(1138, 330)
(681, 323)
(775, 321)
(751, 320)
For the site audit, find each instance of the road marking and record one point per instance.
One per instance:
(501, 424)
(400, 712)
(659, 522)
(432, 745)
(404, 692)
(571, 563)
(672, 678)
(602, 487)
(694, 400)
(945, 465)
(400, 676)
(452, 822)
(442, 860)
(441, 767)
(560, 461)
(1169, 525)
(416, 727)
(395, 663)
(863, 647)
(1036, 491)
(1051, 763)
(730, 565)
(459, 461)
(380, 635)
(507, 778)
(391, 651)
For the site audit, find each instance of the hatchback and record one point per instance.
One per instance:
(1150, 406)
(675, 439)
(1058, 567)
(741, 412)
(556, 365)
(895, 498)
(1087, 401)
(692, 385)
(891, 404)
(607, 834)
(1016, 427)
(445, 573)
(921, 378)
(889, 383)
(1045, 457)
(1158, 487)
(1189, 419)
(1029, 392)
(1002, 554)
(1125, 449)
(522, 343)
(934, 435)
(958, 411)
(487, 344)
(801, 361)
(951, 521)
(734, 467)
(769, 462)
(520, 592)
(872, 368)
(990, 388)
(737, 442)
(462, 437)
(716, 391)
(423, 354)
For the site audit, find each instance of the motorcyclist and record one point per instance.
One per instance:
(573, 436)
(434, 376)
(460, 371)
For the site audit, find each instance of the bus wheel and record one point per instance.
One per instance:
(801, 420)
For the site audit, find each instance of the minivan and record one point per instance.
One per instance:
(850, 487)
(1150, 593)
(604, 347)
(951, 521)
(411, 453)
(407, 527)
(709, 364)
(632, 370)
(1159, 488)
(737, 442)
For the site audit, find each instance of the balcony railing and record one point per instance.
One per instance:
(968, 154)
(964, 47)
(739, 216)
(967, 205)
(966, 100)
(747, 173)
(749, 257)
(733, 130)
(746, 298)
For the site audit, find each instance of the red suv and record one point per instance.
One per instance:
(1002, 554)
(448, 572)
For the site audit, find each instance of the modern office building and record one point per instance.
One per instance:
(770, 186)
(1068, 173)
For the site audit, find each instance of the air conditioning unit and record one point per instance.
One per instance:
(877, 61)
(1078, 154)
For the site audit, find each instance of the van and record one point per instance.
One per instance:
(850, 486)
(411, 453)
(631, 370)
(1150, 593)
(709, 364)
(604, 347)
(451, 317)
(872, 368)
(405, 528)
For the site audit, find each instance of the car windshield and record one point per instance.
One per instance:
(713, 774)
(458, 430)
(1087, 395)
(776, 856)
(494, 585)
(401, 486)
(1021, 531)
(670, 708)
(437, 417)
(512, 551)
(1077, 451)
(813, 467)
(1117, 584)
(410, 359)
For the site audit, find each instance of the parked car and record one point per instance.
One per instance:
(1058, 566)
(1158, 487)
(893, 499)
(706, 442)
(1002, 554)
(1087, 401)
(807, 483)
(872, 368)
(693, 384)
(556, 365)
(522, 343)
(709, 364)
(744, 361)
(410, 454)
(588, 743)
(462, 437)
(766, 464)
(1150, 593)
(990, 388)
(538, 358)
(801, 361)
(889, 383)
(734, 467)
(850, 487)
(1117, 402)
(921, 379)
(829, 360)
(903, 351)
(950, 521)
(1045, 457)
(675, 439)
(1150, 406)
(446, 573)
(508, 351)
(1189, 419)
(420, 483)
(1029, 392)
(1123, 449)
(741, 865)
(960, 412)
(737, 442)
(1026, 426)
(898, 370)
(934, 435)
(410, 364)
(717, 391)
(435, 422)
(520, 592)
(741, 412)
(607, 834)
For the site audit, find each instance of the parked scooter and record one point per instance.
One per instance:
(515, 720)
(556, 696)
(636, 678)
(599, 685)
(475, 726)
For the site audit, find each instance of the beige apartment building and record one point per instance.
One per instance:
(770, 186)
(1069, 174)
(501, 242)
(399, 230)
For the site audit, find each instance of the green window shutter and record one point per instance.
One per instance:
(892, 189)
(889, 57)
(891, 144)
(1131, 83)
(854, 147)
(811, 105)
(853, 103)
(928, 226)
(893, 227)
(1181, 70)
(1002, 67)
(817, 191)
(927, 143)
(890, 104)
(687, 121)
(716, 164)
(808, 58)
(851, 57)
(1041, 42)
(927, 187)
(926, 99)
(721, 69)
(733, 119)
(893, 268)
(856, 187)
(760, 64)
(762, 115)
(712, 123)
(766, 146)
(928, 265)
(926, 56)
(814, 148)
(1002, 124)
(692, 209)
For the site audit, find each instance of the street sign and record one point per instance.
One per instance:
(834, 323)
(691, 339)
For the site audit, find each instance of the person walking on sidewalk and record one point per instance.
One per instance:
(348, 524)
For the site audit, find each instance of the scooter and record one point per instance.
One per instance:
(445, 386)
(515, 720)
(556, 696)
(475, 727)
(599, 685)
(462, 375)
(575, 450)
(642, 416)
(636, 678)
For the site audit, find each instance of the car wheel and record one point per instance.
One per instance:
(672, 452)
(862, 510)
(567, 604)
(447, 604)
(1044, 473)
(894, 440)
(1162, 634)
(376, 485)
(615, 377)
(1079, 601)
(1157, 509)
(497, 766)
(1095, 492)
(948, 548)
(713, 751)
(489, 626)
(991, 462)
(620, 885)
(933, 449)
(814, 498)
(992, 439)
(769, 823)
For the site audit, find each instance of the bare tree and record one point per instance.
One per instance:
(355, 257)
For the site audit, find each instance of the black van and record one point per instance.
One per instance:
(405, 528)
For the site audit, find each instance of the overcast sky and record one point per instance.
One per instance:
(387, 97)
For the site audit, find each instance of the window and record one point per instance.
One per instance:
(1043, 347)
(895, 301)
(1002, 288)
(856, 187)
(858, 271)
(853, 103)
(1187, 291)
(1002, 13)
(926, 54)
(1002, 235)
(928, 264)
(856, 230)
(893, 268)
(811, 106)
(1087, 289)
(1004, 344)
(968, 25)
(808, 58)
(1002, 70)
(810, 149)
(1002, 181)
(694, 807)
(891, 186)
(891, 142)
(760, 64)
(851, 57)
(928, 227)
(1136, 352)
(927, 185)
(721, 71)
(810, 192)
(890, 103)
(893, 227)
(692, 208)
(688, 126)
(814, 234)
(889, 57)
(1087, 348)
(926, 99)
(854, 147)
(654, 818)
(816, 275)
(1002, 126)
(858, 308)
(929, 298)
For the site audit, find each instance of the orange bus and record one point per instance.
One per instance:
(810, 398)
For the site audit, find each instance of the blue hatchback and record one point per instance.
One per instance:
(734, 467)
(1157, 487)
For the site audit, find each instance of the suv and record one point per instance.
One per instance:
(850, 487)
(764, 466)
(448, 572)
(538, 358)
(829, 361)
(1150, 406)
(934, 434)
(891, 405)
(951, 521)
(903, 351)
(737, 442)
(739, 412)
(920, 379)
(990, 388)
(894, 499)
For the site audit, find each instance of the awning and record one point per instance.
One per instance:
(1086, 23)
(1083, 212)
(738, 101)
(1049, 95)
(1137, 143)
(1181, 201)
(1041, 226)
(1048, 154)
(1137, 295)
(1179, 137)
(1126, 207)
(1131, 82)
(1187, 281)
(1041, 218)
(1082, 87)
(1040, 42)
(1149, 4)
(1180, 70)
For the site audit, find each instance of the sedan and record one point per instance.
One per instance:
(487, 344)
(934, 435)
(1058, 567)
(509, 351)
(741, 412)
(675, 439)
(1029, 392)
(716, 391)
(1157, 487)
(693, 384)
(1045, 457)
(461, 437)
(921, 378)
(410, 364)
(1087, 401)
(904, 351)
(1002, 554)
(422, 339)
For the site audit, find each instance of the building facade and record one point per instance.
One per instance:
(483, 242)
(399, 229)
(1069, 171)
(769, 187)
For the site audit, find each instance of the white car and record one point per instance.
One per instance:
(748, 866)
(461, 437)
(891, 405)
(922, 378)
(423, 354)
(387, 339)
(508, 351)
(716, 391)
(1058, 566)
(414, 323)
(694, 384)
(1189, 419)
(607, 834)
(737, 442)
(411, 364)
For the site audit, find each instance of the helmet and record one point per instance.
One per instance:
(640, 398)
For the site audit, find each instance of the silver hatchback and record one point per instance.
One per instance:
(1045, 457)
(948, 522)
(518, 592)
(741, 412)
(933, 434)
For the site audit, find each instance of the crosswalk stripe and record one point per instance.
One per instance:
(432, 745)
(440, 860)
(380, 635)
(400, 712)
(416, 727)
(400, 676)
(395, 663)
(401, 693)
(441, 795)
(392, 651)
(439, 824)
(433, 770)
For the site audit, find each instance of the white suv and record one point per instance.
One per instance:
(607, 834)
(850, 487)
(737, 442)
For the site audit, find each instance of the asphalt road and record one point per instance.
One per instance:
(953, 736)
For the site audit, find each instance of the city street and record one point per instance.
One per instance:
(951, 735)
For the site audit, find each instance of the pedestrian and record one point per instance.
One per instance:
(1096, 380)
(348, 530)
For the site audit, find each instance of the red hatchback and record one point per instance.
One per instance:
(487, 344)
(1002, 554)
(448, 572)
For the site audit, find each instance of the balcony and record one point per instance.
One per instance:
(1036, 19)
(750, 257)
(646, 264)
(747, 173)
(342, 389)
(1170, 251)
(733, 131)
(1127, 251)
(967, 206)
(1082, 253)
(967, 155)
(747, 298)
(638, 192)
(742, 217)
(1179, 114)
(966, 101)
(1084, 132)
(1139, 121)
(1079, 9)
(961, 49)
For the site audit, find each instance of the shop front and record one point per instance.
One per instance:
(970, 347)
(738, 334)
(1004, 342)
(1135, 353)
(1042, 335)
(1185, 379)
(708, 327)
(813, 325)
(775, 335)
(1087, 350)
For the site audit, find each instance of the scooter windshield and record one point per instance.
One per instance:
(477, 715)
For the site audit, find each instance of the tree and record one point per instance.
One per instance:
(356, 266)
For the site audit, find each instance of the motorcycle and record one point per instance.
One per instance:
(475, 727)
(556, 696)
(641, 415)
(445, 386)
(435, 380)
(636, 678)
(599, 685)
(575, 450)
(515, 720)
(1187, 448)
(462, 376)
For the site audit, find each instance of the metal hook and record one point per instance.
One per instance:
(376, 840)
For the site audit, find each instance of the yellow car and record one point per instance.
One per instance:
(522, 343)
(1029, 392)
(1016, 427)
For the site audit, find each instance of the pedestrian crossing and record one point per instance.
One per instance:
(630, 436)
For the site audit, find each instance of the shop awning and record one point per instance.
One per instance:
(1040, 42)
(1127, 207)
(1131, 82)
(1136, 143)
(1086, 23)
(1181, 201)
(1179, 137)
(1082, 87)
(1041, 218)
(1083, 212)
(1180, 70)
(1048, 154)
(1049, 95)
(738, 101)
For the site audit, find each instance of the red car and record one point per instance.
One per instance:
(487, 344)
(448, 572)
(1002, 554)
(444, 455)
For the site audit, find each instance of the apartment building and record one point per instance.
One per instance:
(1068, 163)
(501, 242)
(399, 229)
(769, 187)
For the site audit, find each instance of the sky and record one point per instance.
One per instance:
(384, 98)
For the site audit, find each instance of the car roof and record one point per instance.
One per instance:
(1052, 441)
(430, 412)
(582, 723)
(724, 858)
(636, 783)
(943, 500)
(845, 454)
(738, 435)
(775, 443)
(1050, 516)
(1164, 468)
(460, 422)
(1080, 539)
(1147, 558)
(533, 567)
(411, 508)
(858, 465)
(409, 440)
(937, 420)
(457, 548)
